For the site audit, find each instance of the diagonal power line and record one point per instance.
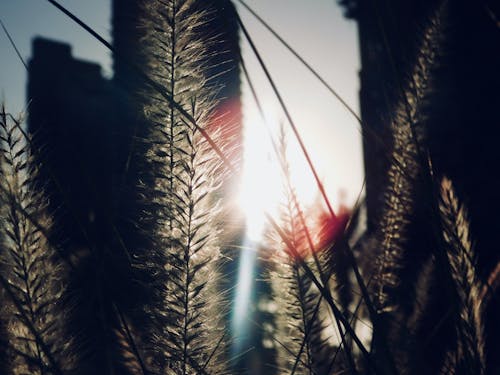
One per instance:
(13, 44)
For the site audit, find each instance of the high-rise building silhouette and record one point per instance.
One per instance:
(69, 111)
(463, 111)
(461, 116)
(87, 123)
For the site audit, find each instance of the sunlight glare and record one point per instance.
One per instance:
(262, 188)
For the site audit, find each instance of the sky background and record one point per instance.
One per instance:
(315, 28)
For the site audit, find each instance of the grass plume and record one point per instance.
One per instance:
(299, 324)
(469, 356)
(33, 277)
(186, 176)
(406, 170)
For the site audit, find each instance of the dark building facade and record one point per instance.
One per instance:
(70, 111)
(464, 111)
(87, 123)
(461, 118)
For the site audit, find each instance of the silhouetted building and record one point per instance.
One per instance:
(388, 32)
(464, 91)
(71, 112)
(461, 113)
(86, 123)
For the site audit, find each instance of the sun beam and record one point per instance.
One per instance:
(262, 188)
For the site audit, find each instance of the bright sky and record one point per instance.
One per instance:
(26, 19)
(316, 29)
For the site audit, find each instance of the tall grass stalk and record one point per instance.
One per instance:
(33, 277)
(299, 325)
(187, 174)
(406, 171)
(468, 356)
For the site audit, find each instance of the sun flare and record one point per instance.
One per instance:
(262, 189)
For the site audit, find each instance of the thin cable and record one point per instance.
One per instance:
(13, 44)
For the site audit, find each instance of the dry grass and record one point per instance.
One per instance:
(425, 306)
